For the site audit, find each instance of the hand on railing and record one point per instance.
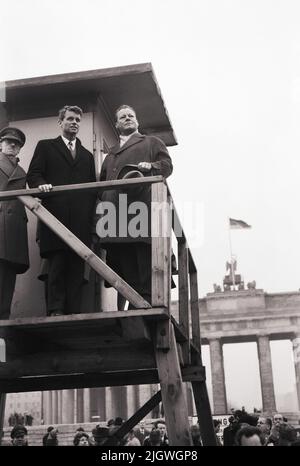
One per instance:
(45, 188)
(144, 166)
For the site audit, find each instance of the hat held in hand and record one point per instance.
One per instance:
(129, 171)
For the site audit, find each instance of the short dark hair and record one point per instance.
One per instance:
(248, 431)
(121, 108)
(79, 436)
(70, 108)
(160, 421)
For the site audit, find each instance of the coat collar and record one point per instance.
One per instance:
(12, 172)
(61, 146)
(134, 139)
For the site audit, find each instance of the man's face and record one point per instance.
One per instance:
(162, 429)
(10, 147)
(83, 442)
(262, 425)
(253, 441)
(195, 431)
(278, 420)
(126, 121)
(70, 124)
(19, 441)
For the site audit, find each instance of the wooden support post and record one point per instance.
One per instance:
(204, 414)
(161, 252)
(163, 335)
(173, 397)
(195, 311)
(134, 420)
(184, 306)
(83, 251)
(2, 412)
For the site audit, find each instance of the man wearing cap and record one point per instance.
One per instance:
(19, 436)
(130, 257)
(55, 162)
(13, 220)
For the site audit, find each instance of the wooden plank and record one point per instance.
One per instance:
(177, 227)
(103, 379)
(80, 320)
(204, 413)
(174, 401)
(161, 253)
(135, 329)
(134, 420)
(184, 305)
(2, 412)
(63, 381)
(193, 373)
(84, 252)
(195, 312)
(180, 355)
(179, 333)
(67, 362)
(97, 185)
(163, 335)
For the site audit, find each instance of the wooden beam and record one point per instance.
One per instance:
(162, 335)
(2, 412)
(195, 311)
(184, 305)
(205, 419)
(68, 381)
(102, 379)
(85, 361)
(173, 397)
(161, 253)
(134, 420)
(79, 320)
(193, 374)
(135, 329)
(84, 252)
(99, 186)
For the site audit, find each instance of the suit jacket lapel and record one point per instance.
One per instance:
(134, 139)
(18, 174)
(62, 148)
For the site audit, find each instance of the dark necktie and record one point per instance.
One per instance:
(73, 151)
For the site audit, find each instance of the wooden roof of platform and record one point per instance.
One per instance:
(134, 85)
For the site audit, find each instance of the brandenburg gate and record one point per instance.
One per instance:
(249, 316)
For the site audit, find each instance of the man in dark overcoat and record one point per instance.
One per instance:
(129, 255)
(13, 219)
(57, 162)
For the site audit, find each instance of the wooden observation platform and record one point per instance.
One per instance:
(142, 346)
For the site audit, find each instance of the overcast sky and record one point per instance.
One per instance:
(229, 73)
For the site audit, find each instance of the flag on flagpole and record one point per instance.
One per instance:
(235, 224)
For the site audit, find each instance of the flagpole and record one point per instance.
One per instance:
(229, 234)
(231, 256)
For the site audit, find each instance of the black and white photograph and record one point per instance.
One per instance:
(149, 230)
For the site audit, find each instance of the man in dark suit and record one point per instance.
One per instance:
(13, 220)
(57, 162)
(130, 256)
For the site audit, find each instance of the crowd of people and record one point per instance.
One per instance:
(244, 429)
